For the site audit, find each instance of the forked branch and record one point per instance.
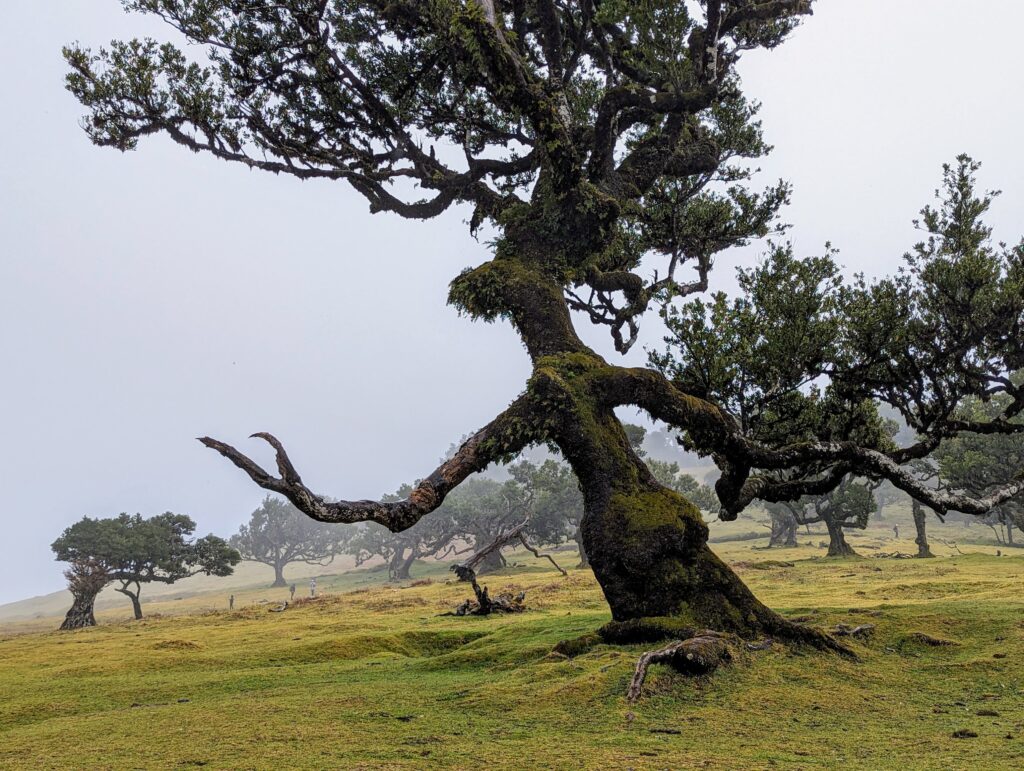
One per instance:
(505, 435)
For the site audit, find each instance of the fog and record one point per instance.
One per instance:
(152, 297)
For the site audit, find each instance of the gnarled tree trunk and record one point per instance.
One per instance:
(837, 543)
(86, 579)
(401, 565)
(784, 526)
(920, 527)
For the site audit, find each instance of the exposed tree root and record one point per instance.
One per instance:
(701, 654)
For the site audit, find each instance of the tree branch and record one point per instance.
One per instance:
(505, 435)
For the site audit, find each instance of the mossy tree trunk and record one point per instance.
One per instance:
(646, 544)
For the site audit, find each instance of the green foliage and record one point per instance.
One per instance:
(978, 463)
(669, 474)
(132, 549)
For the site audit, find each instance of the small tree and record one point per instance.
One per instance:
(133, 551)
(277, 533)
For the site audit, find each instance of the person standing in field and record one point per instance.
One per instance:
(896, 531)
(293, 592)
(312, 587)
(231, 602)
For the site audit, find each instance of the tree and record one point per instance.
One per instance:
(592, 138)
(783, 524)
(556, 508)
(978, 463)
(483, 509)
(846, 507)
(133, 551)
(431, 537)
(277, 533)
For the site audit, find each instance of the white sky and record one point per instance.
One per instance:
(149, 298)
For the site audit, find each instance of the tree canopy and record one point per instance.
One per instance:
(608, 147)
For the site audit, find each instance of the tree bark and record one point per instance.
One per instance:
(80, 614)
(648, 547)
(920, 526)
(837, 544)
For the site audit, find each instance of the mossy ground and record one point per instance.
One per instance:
(374, 678)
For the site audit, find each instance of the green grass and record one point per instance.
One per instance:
(370, 676)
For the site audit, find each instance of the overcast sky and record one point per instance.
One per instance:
(152, 297)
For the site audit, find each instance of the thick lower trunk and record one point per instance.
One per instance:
(837, 545)
(648, 549)
(80, 615)
(920, 526)
(279, 575)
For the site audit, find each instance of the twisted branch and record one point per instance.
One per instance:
(506, 434)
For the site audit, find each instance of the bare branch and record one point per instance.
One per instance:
(504, 435)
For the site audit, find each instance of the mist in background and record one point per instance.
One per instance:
(153, 297)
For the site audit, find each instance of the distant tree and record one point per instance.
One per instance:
(846, 507)
(783, 525)
(434, 537)
(556, 503)
(133, 551)
(670, 475)
(277, 533)
(979, 463)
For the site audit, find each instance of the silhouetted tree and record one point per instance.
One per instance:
(133, 551)
(596, 138)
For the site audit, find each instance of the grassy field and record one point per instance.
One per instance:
(372, 677)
